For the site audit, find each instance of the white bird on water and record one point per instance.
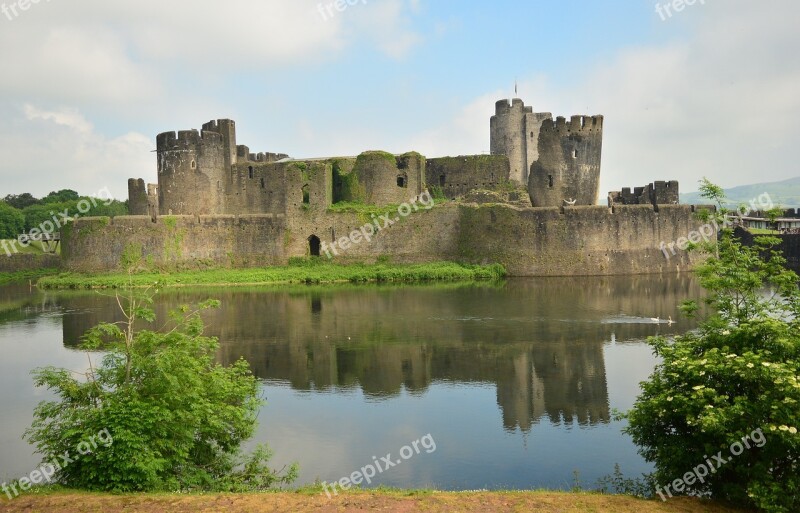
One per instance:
(657, 320)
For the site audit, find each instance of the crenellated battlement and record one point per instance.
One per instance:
(243, 155)
(656, 194)
(219, 125)
(503, 107)
(187, 140)
(576, 124)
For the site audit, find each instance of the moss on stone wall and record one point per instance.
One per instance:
(131, 255)
(383, 154)
(170, 222)
(346, 186)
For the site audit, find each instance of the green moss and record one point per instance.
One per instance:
(131, 255)
(346, 185)
(390, 158)
(366, 213)
(170, 222)
(88, 228)
(436, 192)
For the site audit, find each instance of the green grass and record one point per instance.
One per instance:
(26, 275)
(313, 271)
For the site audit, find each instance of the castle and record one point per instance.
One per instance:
(530, 205)
(207, 173)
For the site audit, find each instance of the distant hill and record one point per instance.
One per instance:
(785, 194)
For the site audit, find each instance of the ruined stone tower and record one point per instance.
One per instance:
(515, 134)
(193, 168)
(558, 161)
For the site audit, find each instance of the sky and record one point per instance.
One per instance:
(85, 85)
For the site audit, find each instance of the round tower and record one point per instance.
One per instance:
(508, 136)
(567, 171)
(191, 172)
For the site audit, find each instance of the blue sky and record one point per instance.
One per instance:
(710, 91)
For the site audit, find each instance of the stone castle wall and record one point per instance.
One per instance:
(529, 242)
(657, 193)
(94, 244)
(577, 240)
(457, 176)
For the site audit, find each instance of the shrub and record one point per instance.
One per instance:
(734, 377)
(175, 418)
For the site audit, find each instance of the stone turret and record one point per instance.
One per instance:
(137, 197)
(558, 161)
(568, 169)
(193, 168)
(515, 133)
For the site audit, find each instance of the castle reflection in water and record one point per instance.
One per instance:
(539, 341)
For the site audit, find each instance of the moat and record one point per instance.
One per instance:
(516, 382)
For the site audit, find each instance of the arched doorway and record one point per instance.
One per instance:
(314, 245)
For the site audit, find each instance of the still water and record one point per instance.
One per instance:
(515, 382)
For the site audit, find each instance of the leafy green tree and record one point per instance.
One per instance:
(21, 201)
(175, 417)
(112, 209)
(61, 196)
(38, 214)
(772, 216)
(738, 373)
(12, 221)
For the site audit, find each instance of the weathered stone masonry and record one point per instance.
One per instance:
(217, 204)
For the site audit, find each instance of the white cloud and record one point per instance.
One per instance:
(70, 118)
(59, 149)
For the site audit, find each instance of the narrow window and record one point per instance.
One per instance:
(306, 195)
(402, 181)
(442, 180)
(263, 185)
(550, 179)
(575, 153)
(194, 165)
(250, 169)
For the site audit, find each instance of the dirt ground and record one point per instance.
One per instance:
(355, 502)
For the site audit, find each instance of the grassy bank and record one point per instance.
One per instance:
(390, 501)
(23, 276)
(307, 272)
